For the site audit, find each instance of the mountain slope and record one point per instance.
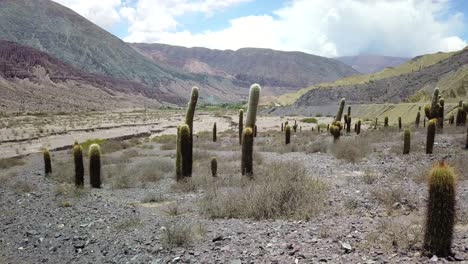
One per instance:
(31, 80)
(62, 33)
(448, 71)
(371, 63)
(282, 71)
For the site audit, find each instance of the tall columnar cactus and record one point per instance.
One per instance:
(247, 152)
(431, 129)
(340, 110)
(349, 110)
(185, 151)
(248, 136)
(178, 157)
(406, 141)
(214, 167)
(348, 124)
(399, 123)
(282, 128)
(358, 129)
(376, 123)
(95, 165)
(386, 121)
(255, 131)
(287, 135)
(241, 125)
(440, 117)
(295, 126)
(345, 121)
(424, 122)
(79, 166)
(418, 119)
(214, 132)
(462, 113)
(47, 162)
(189, 121)
(466, 144)
(440, 213)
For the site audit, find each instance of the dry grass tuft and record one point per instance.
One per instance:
(180, 234)
(138, 173)
(351, 149)
(11, 162)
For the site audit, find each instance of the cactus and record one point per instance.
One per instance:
(340, 110)
(95, 165)
(418, 119)
(79, 167)
(328, 127)
(440, 213)
(253, 105)
(178, 156)
(189, 121)
(47, 162)
(345, 121)
(348, 124)
(282, 127)
(335, 131)
(462, 113)
(386, 121)
(287, 135)
(255, 131)
(349, 110)
(247, 152)
(358, 130)
(466, 144)
(214, 167)
(214, 132)
(406, 141)
(399, 123)
(431, 128)
(247, 135)
(424, 122)
(440, 116)
(433, 110)
(185, 149)
(376, 123)
(295, 126)
(241, 125)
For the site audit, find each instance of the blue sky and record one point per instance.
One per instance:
(323, 27)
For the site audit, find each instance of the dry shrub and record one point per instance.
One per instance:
(390, 197)
(180, 234)
(351, 149)
(22, 186)
(278, 190)
(137, 174)
(6, 177)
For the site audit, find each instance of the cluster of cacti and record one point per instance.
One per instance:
(47, 162)
(79, 166)
(406, 141)
(386, 121)
(336, 127)
(95, 165)
(399, 123)
(247, 135)
(436, 109)
(287, 135)
(431, 130)
(241, 125)
(184, 147)
(440, 213)
(214, 132)
(214, 167)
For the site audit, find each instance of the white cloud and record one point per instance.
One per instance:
(323, 27)
(102, 12)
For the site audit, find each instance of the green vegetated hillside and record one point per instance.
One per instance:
(447, 82)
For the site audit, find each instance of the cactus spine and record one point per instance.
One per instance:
(248, 137)
(47, 162)
(406, 141)
(431, 129)
(440, 213)
(214, 132)
(241, 125)
(95, 165)
(79, 167)
(189, 121)
(287, 135)
(214, 167)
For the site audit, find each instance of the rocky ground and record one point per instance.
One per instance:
(369, 207)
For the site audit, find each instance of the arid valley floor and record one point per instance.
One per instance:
(359, 200)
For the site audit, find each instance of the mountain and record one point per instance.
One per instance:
(278, 71)
(32, 80)
(371, 63)
(413, 81)
(62, 33)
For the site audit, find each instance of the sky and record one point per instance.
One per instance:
(331, 28)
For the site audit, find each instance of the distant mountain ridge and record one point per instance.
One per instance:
(371, 63)
(279, 70)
